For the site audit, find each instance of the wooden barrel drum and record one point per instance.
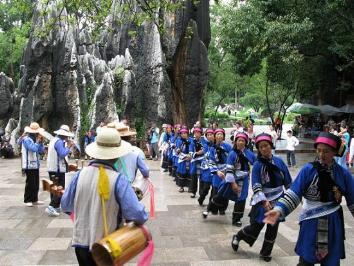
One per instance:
(121, 246)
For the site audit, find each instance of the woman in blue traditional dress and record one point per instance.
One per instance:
(237, 175)
(197, 155)
(269, 176)
(165, 147)
(173, 155)
(207, 163)
(218, 171)
(182, 149)
(320, 186)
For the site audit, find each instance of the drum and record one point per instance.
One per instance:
(140, 186)
(121, 246)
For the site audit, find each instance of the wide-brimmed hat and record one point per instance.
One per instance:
(33, 128)
(108, 145)
(241, 135)
(332, 141)
(64, 130)
(124, 131)
(263, 137)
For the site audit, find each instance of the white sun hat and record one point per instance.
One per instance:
(108, 145)
(64, 130)
(33, 128)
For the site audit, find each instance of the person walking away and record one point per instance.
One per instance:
(57, 165)
(100, 184)
(320, 186)
(31, 147)
(269, 176)
(292, 142)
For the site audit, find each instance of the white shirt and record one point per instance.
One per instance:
(291, 143)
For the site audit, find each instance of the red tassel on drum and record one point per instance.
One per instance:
(146, 257)
(152, 200)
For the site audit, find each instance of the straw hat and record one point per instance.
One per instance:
(108, 145)
(124, 131)
(64, 130)
(34, 128)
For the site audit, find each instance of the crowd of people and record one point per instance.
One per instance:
(202, 160)
(100, 197)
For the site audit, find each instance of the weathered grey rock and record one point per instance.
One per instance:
(7, 90)
(67, 77)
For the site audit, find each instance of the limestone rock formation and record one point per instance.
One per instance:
(7, 90)
(67, 77)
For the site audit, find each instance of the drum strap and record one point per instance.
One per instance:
(124, 169)
(103, 191)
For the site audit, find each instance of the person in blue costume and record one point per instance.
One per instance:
(165, 147)
(269, 175)
(207, 163)
(218, 171)
(237, 175)
(196, 152)
(320, 186)
(182, 149)
(174, 155)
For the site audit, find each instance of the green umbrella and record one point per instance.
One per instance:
(303, 108)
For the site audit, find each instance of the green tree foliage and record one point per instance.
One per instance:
(15, 21)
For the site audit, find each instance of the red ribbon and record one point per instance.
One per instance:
(152, 200)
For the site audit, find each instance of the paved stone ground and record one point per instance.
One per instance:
(181, 235)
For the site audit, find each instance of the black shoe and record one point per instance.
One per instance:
(181, 190)
(221, 212)
(205, 214)
(237, 223)
(200, 201)
(265, 258)
(193, 196)
(235, 243)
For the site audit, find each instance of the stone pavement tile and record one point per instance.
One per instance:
(167, 241)
(289, 260)
(23, 257)
(59, 257)
(9, 223)
(185, 254)
(60, 223)
(10, 233)
(288, 232)
(15, 243)
(40, 232)
(65, 232)
(286, 246)
(191, 230)
(29, 212)
(237, 262)
(50, 244)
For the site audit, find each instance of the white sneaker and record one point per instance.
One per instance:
(51, 212)
(38, 202)
(29, 204)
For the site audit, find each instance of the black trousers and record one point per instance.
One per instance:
(251, 232)
(84, 257)
(302, 262)
(239, 209)
(32, 185)
(58, 179)
(203, 192)
(194, 184)
(218, 203)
